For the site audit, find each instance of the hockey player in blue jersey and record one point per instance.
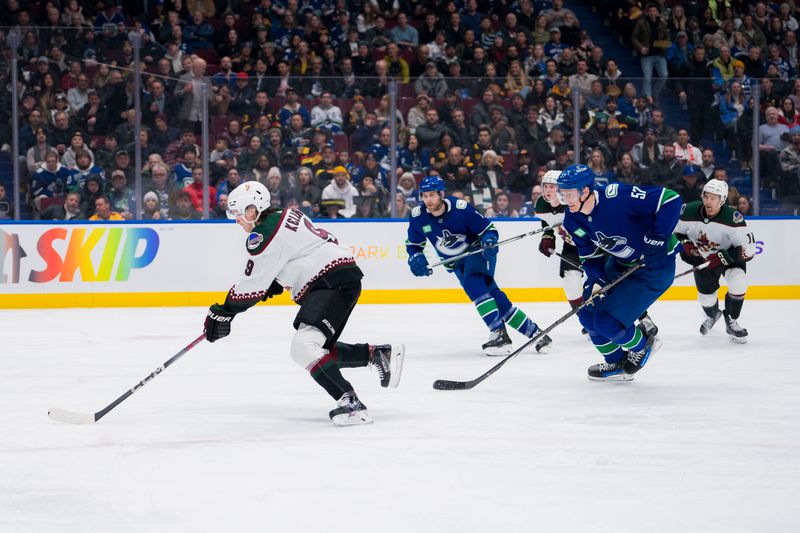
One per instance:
(632, 225)
(453, 226)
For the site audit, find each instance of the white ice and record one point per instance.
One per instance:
(234, 437)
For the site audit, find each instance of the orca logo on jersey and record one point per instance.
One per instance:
(451, 243)
(616, 246)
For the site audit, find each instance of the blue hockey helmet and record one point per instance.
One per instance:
(576, 177)
(430, 184)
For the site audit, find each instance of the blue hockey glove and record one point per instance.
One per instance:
(419, 265)
(655, 249)
(489, 246)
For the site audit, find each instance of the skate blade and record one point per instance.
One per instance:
(398, 355)
(352, 419)
(616, 377)
(498, 351)
(737, 340)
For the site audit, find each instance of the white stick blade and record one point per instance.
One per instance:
(68, 417)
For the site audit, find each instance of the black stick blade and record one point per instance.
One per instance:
(444, 384)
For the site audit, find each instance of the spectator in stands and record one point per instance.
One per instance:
(790, 163)
(770, 142)
(550, 115)
(407, 187)
(307, 193)
(602, 174)
(325, 115)
(183, 208)
(666, 171)
(789, 114)
(340, 188)
(685, 152)
(69, 210)
(665, 134)
(732, 106)
(707, 167)
(120, 196)
(501, 207)
(521, 179)
(413, 158)
(650, 39)
(582, 80)
(103, 212)
(429, 133)
(35, 157)
(189, 92)
(678, 53)
(455, 170)
(628, 171)
(195, 188)
(431, 83)
(690, 188)
(479, 192)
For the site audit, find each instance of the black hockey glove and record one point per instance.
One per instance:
(275, 289)
(218, 323)
(548, 243)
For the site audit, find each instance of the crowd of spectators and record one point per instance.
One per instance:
(299, 100)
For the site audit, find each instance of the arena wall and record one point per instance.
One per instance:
(179, 264)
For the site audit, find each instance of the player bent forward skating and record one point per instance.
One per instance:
(285, 249)
(453, 226)
(712, 231)
(550, 210)
(633, 225)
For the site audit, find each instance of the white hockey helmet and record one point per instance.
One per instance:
(719, 188)
(551, 177)
(246, 194)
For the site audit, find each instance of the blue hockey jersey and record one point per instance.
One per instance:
(453, 233)
(622, 216)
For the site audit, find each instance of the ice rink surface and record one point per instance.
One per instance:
(234, 437)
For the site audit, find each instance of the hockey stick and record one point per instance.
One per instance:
(690, 271)
(69, 417)
(499, 243)
(444, 384)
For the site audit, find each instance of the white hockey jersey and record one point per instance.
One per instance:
(288, 249)
(721, 233)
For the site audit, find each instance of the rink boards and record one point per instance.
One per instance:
(178, 264)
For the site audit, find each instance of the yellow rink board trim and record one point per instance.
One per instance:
(388, 296)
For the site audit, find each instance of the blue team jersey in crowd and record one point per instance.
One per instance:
(451, 234)
(622, 216)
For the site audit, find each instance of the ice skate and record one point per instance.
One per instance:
(388, 360)
(709, 322)
(648, 327)
(636, 360)
(543, 344)
(499, 343)
(736, 333)
(350, 411)
(609, 372)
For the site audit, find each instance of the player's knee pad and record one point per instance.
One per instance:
(608, 326)
(307, 346)
(707, 300)
(573, 284)
(736, 279)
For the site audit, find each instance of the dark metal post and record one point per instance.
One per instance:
(756, 170)
(206, 92)
(13, 42)
(136, 41)
(393, 147)
(576, 124)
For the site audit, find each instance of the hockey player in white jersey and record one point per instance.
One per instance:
(284, 249)
(714, 232)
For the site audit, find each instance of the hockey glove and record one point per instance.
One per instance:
(548, 243)
(419, 265)
(489, 246)
(655, 249)
(218, 323)
(721, 258)
(275, 289)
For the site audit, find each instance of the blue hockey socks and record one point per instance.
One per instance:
(518, 320)
(487, 308)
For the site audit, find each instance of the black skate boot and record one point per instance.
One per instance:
(648, 327)
(499, 343)
(388, 360)
(736, 332)
(350, 411)
(636, 360)
(710, 320)
(543, 344)
(609, 372)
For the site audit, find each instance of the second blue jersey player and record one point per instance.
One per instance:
(453, 227)
(615, 227)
